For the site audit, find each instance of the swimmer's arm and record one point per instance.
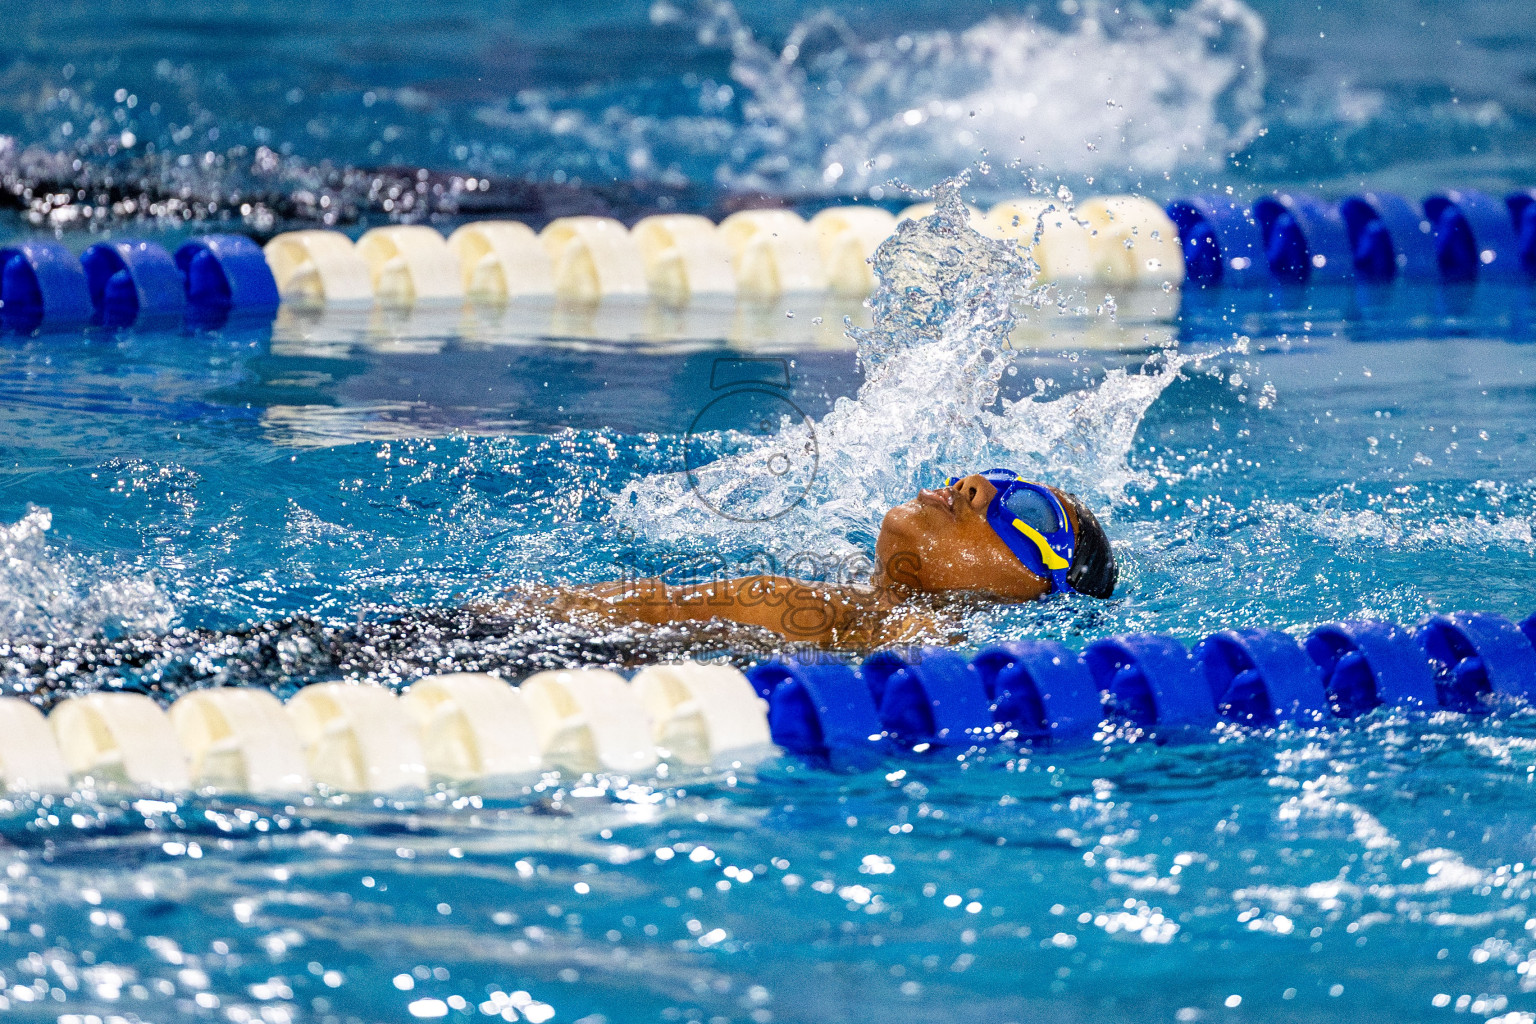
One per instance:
(826, 615)
(823, 614)
(813, 613)
(796, 610)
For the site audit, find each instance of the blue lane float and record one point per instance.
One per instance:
(1041, 690)
(1305, 240)
(1474, 655)
(817, 708)
(1041, 693)
(1473, 236)
(1522, 215)
(225, 273)
(1367, 664)
(1151, 681)
(1389, 238)
(42, 283)
(1376, 237)
(1261, 677)
(931, 695)
(133, 280)
(1221, 242)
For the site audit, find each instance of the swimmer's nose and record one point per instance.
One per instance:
(974, 490)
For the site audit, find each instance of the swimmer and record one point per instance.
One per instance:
(991, 536)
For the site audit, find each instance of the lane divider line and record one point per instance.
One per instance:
(471, 727)
(1283, 239)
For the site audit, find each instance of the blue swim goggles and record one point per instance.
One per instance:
(1031, 521)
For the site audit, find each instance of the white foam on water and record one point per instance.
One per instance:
(47, 592)
(1107, 88)
(1415, 528)
(934, 361)
(1117, 87)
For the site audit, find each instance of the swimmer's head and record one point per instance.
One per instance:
(945, 540)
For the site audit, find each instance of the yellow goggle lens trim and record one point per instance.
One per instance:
(1047, 554)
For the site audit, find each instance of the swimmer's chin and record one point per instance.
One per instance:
(898, 547)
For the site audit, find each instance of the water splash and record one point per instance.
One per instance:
(1116, 86)
(45, 592)
(1410, 525)
(947, 302)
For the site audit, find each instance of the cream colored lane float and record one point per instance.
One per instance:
(684, 255)
(1129, 240)
(1060, 242)
(593, 258)
(410, 263)
(474, 726)
(120, 739)
(501, 260)
(590, 720)
(847, 237)
(1133, 241)
(358, 738)
(773, 253)
(315, 267)
(239, 739)
(30, 760)
(700, 713)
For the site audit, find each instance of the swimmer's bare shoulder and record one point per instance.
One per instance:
(823, 614)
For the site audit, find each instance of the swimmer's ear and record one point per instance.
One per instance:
(1093, 570)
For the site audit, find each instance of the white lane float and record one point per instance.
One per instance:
(773, 253)
(120, 739)
(700, 712)
(675, 257)
(239, 739)
(590, 720)
(314, 267)
(593, 258)
(1134, 242)
(473, 726)
(410, 263)
(684, 255)
(30, 760)
(358, 738)
(847, 237)
(1064, 246)
(501, 260)
(352, 737)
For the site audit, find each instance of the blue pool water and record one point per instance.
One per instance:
(317, 498)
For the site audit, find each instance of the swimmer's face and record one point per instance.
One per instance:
(940, 541)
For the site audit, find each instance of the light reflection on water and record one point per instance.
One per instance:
(1366, 871)
(1272, 470)
(346, 470)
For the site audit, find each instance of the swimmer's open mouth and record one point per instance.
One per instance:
(944, 499)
